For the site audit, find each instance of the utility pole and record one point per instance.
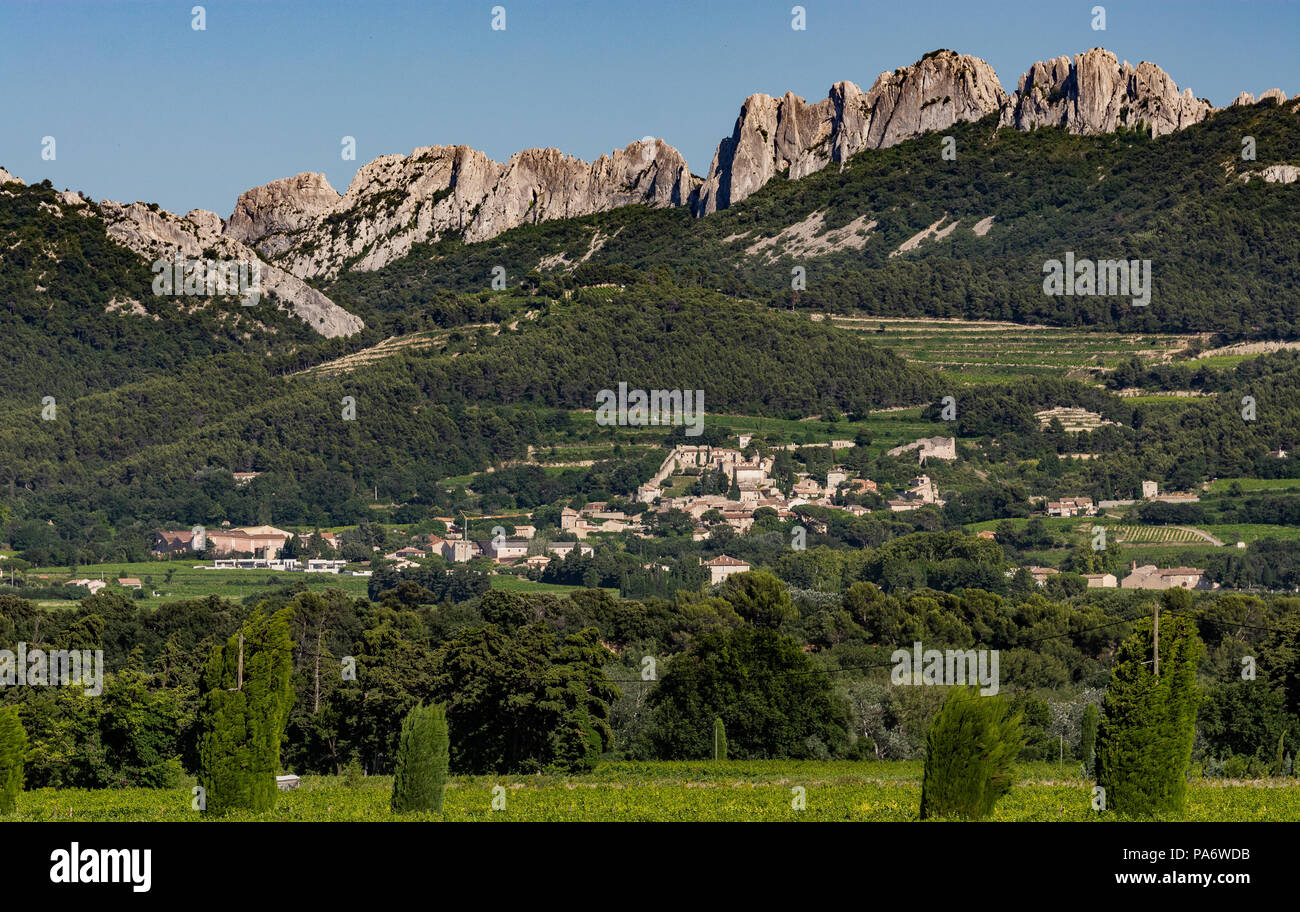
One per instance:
(1155, 640)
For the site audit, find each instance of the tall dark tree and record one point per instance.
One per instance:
(420, 779)
(525, 700)
(13, 752)
(774, 701)
(246, 700)
(1148, 723)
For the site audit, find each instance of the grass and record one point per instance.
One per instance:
(519, 584)
(675, 791)
(1222, 485)
(188, 582)
(1230, 533)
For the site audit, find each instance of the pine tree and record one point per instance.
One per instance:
(1144, 741)
(1088, 742)
(971, 746)
(246, 700)
(719, 740)
(13, 750)
(422, 761)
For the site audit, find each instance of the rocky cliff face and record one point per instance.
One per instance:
(792, 137)
(1245, 98)
(306, 229)
(396, 201)
(1095, 93)
(156, 234)
(1091, 93)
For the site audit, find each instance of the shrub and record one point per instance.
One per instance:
(971, 746)
(422, 761)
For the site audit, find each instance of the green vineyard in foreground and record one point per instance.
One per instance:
(730, 791)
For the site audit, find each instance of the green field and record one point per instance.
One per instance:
(188, 582)
(681, 791)
(1221, 485)
(1231, 533)
(519, 584)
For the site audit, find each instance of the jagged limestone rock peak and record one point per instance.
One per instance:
(792, 137)
(397, 201)
(1245, 98)
(1095, 93)
(286, 205)
(154, 233)
(7, 178)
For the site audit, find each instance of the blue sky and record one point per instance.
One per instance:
(143, 107)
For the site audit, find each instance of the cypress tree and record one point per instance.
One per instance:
(243, 714)
(1088, 743)
(719, 740)
(13, 750)
(422, 761)
(1144, 741)
(970, 748)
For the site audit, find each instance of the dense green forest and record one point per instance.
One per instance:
(819, 658)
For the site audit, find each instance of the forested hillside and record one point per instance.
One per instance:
(161, 449)
(78, 314)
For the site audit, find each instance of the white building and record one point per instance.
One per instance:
(723, 566)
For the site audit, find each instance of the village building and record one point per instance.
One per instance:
(1041, 574)
(723, 566)
(407, 554)
(1149, 576)
(129, 582)
(562, 549)
(167, 541)
(93, 585)
(1071, 506)
(260, 541)
(459, 551)
(1100, 580)
(503, 550)
(323, 565)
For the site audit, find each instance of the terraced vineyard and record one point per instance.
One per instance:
(730, 791)
(1156, 535)
(992, 351)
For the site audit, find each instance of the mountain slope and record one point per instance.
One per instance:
(903, 231)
